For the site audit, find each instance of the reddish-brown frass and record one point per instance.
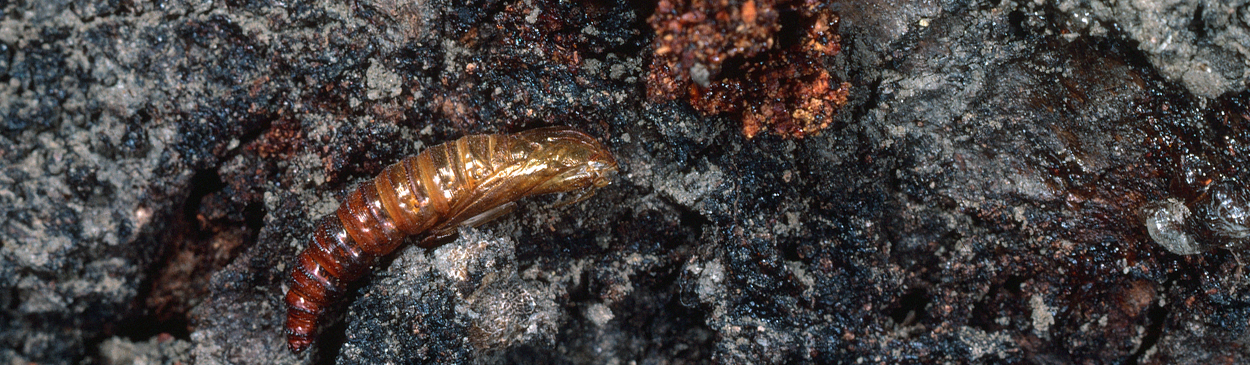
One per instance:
(464, 181)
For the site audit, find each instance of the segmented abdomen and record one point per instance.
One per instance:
(432, 193)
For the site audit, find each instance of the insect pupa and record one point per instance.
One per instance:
(467, 181)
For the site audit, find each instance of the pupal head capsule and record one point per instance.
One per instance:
(599, 171)
(581, 164)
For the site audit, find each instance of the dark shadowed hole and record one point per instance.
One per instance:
(644, 9)
(793, 31)
(1197, 25)
(10, 301)
(142, 328)
(145, 324)
(793, 27)
(910, 307)
(1156, 317)
(141, 325)
(988, 308)
(204, 182)
(329, 342)
(1013, 283)
(6, 57)
(690, 218)
(254, 219)
(874, 98)
(1016, 20)
(580, 292)
(790, 250)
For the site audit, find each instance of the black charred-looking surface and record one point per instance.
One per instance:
(979, 200)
